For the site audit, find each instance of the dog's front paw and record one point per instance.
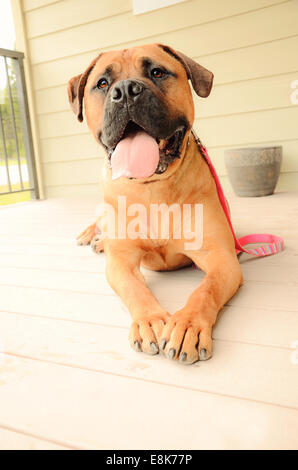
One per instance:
(145, 332)
(187, 337)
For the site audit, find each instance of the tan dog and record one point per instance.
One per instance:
(146, 89)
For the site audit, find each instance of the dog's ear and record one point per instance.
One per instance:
(201, 78)
(76, 88)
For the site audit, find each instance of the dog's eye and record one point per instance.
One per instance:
(102, 83)
(157, 73)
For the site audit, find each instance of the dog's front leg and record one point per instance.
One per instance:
(188, 333)
(148, 317)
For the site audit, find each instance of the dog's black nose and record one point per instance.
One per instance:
(126, 90)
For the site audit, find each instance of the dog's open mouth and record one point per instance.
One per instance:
(137, 154)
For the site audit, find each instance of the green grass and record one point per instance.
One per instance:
(17, 197)
(23, 161)
(13, 198)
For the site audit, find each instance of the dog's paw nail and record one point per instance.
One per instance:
(137, 346)
(154, 347)
(203, 355)
(172, 353)
(162, 344)
(183, 357)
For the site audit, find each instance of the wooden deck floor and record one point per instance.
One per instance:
(68, 378)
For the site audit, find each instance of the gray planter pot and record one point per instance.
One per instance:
(253, 171)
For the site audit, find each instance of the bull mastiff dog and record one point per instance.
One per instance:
(138, 105)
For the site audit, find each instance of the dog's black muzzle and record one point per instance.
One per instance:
(132, 106)
(133, 101)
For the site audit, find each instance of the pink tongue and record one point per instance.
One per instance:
(136, 156)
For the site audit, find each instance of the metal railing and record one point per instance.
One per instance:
(17, 163)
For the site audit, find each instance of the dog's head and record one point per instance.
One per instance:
(143, 92)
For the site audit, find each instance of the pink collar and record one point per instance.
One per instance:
(274, 244)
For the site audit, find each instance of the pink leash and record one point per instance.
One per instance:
(274, 244)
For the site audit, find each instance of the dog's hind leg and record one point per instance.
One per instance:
(97, 243)
(86, 236)
(92, 235)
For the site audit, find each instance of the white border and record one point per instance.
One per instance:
(144, 6)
